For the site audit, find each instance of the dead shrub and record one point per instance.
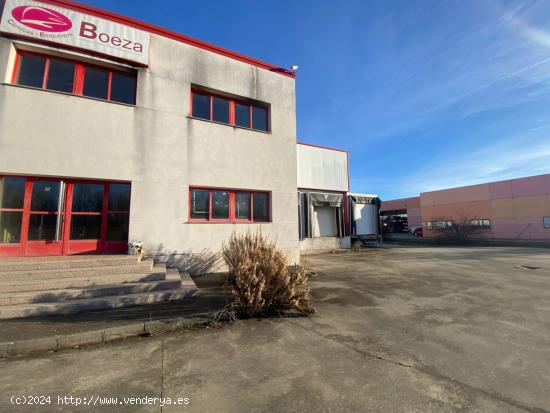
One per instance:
(260, 279)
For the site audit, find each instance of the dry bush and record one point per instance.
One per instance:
(260, 279)
(459, 231)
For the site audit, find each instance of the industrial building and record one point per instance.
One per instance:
(117, 131)
(514, 209)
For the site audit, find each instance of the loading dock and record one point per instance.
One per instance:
(365, 217)
(323, 185)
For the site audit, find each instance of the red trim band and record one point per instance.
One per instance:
(128, 21)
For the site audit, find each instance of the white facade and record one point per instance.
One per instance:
(157, 145)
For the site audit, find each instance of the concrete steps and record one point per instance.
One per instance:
(45, 296)
(65, 282)
(92, 304)
(59, 263)
(68, 285)
(58, 273)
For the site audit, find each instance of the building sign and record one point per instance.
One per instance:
(68, 27)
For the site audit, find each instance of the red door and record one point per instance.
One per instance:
(82, 231)
(43, 217)
(47, 216)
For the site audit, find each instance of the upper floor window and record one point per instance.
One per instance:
(82, 79)
(480, 223)
(221, 205)
(231, 111)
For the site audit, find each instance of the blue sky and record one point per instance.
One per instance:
(424, 94)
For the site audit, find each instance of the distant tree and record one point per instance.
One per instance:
(458, 229)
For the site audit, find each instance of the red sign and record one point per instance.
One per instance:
(41, 18)
(53, 24)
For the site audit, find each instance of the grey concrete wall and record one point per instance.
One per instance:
(313, 245)
(157, 147)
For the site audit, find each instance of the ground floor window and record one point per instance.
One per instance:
(12, 195)
(224, 205)
(57, 216)
(438, 224)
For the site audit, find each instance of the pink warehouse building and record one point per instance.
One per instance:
(515, 209)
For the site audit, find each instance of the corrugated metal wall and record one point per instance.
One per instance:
(323, 169)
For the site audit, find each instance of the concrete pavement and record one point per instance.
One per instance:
(401, 329)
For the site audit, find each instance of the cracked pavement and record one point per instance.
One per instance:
(413, 329)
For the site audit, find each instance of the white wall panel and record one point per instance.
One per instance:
(321, 168)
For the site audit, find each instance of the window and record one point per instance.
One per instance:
(259, 118)
(242, 115)
(88, 198)
(201, 106)
(220, 110)
(229, 111)
(438, 224)
(123, 87)
(261, 206)
(546, 222)
(242, 205)
(12, 194)
(220, 205)
(206, 205)
(61, 75)
(200, 204)
(82, 79)
(87, 211)
(31, 70)
(96, 83)
(480, 223)
(118, 214)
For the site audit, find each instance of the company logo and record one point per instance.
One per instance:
(41, 18)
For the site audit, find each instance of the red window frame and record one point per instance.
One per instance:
(232, 101)
(79, 75)
(66, 245)
(232, 203)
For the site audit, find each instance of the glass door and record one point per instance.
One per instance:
(47, 216)
(97, 217)
(83, 229)
(44, 218)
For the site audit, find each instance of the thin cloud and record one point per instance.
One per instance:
(510, 159)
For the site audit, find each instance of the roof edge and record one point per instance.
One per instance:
(151, 28)
(322, 147)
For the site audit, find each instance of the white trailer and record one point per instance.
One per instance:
(364, 217)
